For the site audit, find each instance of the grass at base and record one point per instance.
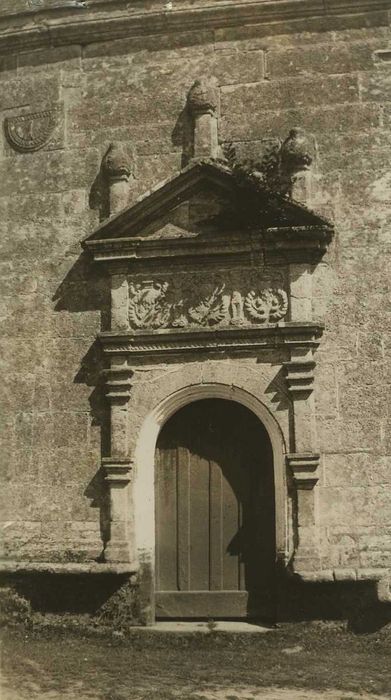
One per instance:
(157, 666)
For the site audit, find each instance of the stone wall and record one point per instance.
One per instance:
(330, 76)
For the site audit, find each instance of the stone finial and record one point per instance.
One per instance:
(202, 105)
(202, 98)
(295, 160)
(116, 162)
(117, 169)
(295, 152)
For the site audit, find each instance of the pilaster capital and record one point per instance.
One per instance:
(299, 374)
(118, 383)
(304, 467)
(117, 471)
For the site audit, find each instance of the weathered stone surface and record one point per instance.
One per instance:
(326, 75)
(327, 58)
(311, 30)
(318, 119)
(64, 58)
(284, 94)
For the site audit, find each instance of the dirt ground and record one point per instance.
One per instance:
(294, 662)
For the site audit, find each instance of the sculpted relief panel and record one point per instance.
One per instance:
(187, 300)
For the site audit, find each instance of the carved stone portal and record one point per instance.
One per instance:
(207, 265)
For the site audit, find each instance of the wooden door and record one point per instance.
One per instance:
(215, 521)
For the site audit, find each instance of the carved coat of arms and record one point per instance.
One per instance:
(30, 132)
(147, 308)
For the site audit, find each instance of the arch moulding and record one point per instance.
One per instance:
(143, 486)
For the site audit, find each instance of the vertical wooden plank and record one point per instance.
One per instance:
(216, 529)
(241, 562)
(167, 523)
(183, 518)
(157, 519)
(231, 536)
(214, 510)
(199, 523)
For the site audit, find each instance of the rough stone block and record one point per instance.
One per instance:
(376, 86)
(238, 67)
(291, 93)
(38, 92)
(56, 171)
(118, 53)
(367, 149)
(278, 121)
(307, 31)
(326, 399)
(59, 58)
(330, 58)
(8, 65)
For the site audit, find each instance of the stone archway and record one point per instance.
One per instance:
(144, 476)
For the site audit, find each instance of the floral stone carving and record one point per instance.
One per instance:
(194, 302)
(271, 305)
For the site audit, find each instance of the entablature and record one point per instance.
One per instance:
(270, 245)
(233, 340)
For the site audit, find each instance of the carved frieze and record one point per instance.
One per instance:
(208, 300)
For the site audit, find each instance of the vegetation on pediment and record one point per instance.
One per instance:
(276, 164)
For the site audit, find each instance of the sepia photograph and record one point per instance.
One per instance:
(195, 349)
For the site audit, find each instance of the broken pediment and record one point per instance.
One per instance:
(206, 210)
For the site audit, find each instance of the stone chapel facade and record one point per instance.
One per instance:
(196, 231)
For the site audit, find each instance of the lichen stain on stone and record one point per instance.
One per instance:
(380, 189)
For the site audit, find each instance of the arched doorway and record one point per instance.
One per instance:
(215, 514)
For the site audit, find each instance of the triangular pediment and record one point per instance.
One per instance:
(204, 202)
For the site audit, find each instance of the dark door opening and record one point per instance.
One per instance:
(215, 514)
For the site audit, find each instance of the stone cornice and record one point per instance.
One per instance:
(271, 226)
(66, 22)
(180, 341)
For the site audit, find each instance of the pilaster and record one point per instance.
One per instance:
(119, 298)
(304, 462)
(118, 386)
(117, 477)
(117, 467)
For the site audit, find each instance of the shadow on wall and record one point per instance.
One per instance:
(99, 198)
(84, 290)
(354, 601)
(183, 135)
(114, 600)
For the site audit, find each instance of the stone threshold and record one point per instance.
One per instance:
(30, 567)
(190, 627)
